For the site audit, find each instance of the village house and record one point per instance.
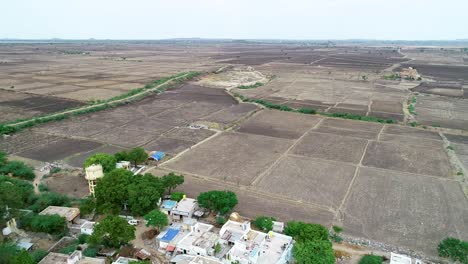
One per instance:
(184, 209)
(70, 213)
(75, 258)
(200, 241)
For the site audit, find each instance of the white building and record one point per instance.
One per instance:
(87, 227)
(171, 236)
(75, 258)
(124, 260)
(184, 209)
(200, 241)
(188, 259)
(254, 247)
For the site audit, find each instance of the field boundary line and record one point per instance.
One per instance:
(282, 156)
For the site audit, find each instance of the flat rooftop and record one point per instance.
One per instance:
(59, 258)
(273, 248)
(186, 205)
(69, 213)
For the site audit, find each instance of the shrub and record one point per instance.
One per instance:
(18, 169)
(220, 220)
(51, 224)
(70, 248)
(50, 198)
(264, 223)
(337, 229)
(43, 188)
(90, 252)
(311, 252)
(83, 238)
(177, 196)
(309, 111)
(255, 85)
(371, 259)
(87, 206)
(454, 249)
(38, 255)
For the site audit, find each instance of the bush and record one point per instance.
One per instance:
(49, 198)
(87, 206)
(371, 259)
(70, 248)
(264, 223)
(220, 220)
(51, 224)
(38, 255)
(83, 238)
(307, 111)
(90, 252)
(306, 232)
(312, 252)
(177, 196)
(454, 249)
(18, 169)
(337, 229)
(255, 85)
(43, 188)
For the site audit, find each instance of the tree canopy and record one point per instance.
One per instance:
(157, 219)
(51, 224)
(112, 231)
(22, 258)
(177, 196)
(17, 169)
(171, 181)
(314, 252)
(137, 155)
(111, 190)
(144, 192)
(371, 259)
(107, 161)
(454, 249)
(305, 231)
(219, 201)
(264, 223)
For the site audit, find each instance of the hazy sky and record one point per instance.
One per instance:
(267, 19)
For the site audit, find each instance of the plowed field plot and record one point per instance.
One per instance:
(59, 149)
(24, 141)
(311, 180)
(406, 210)
(442, 111)
(78, 160)
(291, 125)
(405, 158)
(14, 105)
(331, 147)
(232, 157)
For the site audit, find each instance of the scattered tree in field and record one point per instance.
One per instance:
(219, 201)
(314, 252)
(113, 231)
(107, 161)
(371, 259)
(171, 181)
(264, 223)
(111, 190)
(454, 249)
(144, 193)
(306, 232)
(157, 219)
(177, 196)
(137, 155)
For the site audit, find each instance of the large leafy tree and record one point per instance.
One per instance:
(22, 258)
(305, 232)
(264, 223)
(219, 201)
(144, 193)
(137, 155)
(51, 224)
(112, 231)
(107, 161)
(157, 219)
(455, 249)
(171, 181)
(7, 252)
(18, 169)
(14, 193)
(111, 190)
(314, 252)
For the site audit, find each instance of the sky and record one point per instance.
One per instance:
(236, 19)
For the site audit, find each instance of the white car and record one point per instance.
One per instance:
(133, 222)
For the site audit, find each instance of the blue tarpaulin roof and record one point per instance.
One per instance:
(158, 155)
(170, 234)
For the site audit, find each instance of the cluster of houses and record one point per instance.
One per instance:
(188, 241)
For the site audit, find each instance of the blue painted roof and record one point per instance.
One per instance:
(170, 234)
(158, 155)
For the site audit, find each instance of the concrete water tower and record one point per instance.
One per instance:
(93, 173)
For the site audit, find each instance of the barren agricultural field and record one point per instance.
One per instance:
(400, 182)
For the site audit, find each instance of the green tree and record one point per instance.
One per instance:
(18, 169)
(3, 158)
(371, 259)
(22, 258)
(112, 231)
(157, 219)
(137, 155)
(454, 249)
(144, 193)
(171, 181)
(111, 190)
(219, 201)
(121, 156)
(87, 205)
(177, 196)
(264, 223)
(313, 252)
(38, 255)
(51, 224)
(306, 232)
(7, 252)
(90, 252)
(50, 198)
(107, 161)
